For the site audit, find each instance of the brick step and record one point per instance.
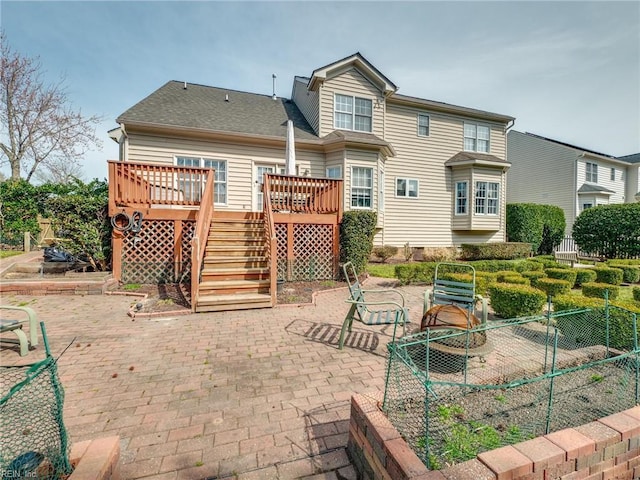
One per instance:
(241, 301)
(224, 262)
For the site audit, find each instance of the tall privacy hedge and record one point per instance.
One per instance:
(356, 237)
(612, 231)
(540, 225)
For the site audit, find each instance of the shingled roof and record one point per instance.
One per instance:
(589, 188)
(634, 158)
(218, 110)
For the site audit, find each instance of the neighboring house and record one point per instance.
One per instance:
(550, 172)
(434, 172)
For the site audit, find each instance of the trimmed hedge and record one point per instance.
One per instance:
(585, 275)
(515, 279)
(495, 251)
(420, 272)
(612, 276)
(583, 328)
(568, 275)
(554, 286)
(510, 301)
(528, 266)
(533, 277)
(609, 230)
(542, 226)
(483, 280)
(630, 272)
(547, 262)
(384, 252)
(356, 237)
(636, 294)
(493, 265)
(597, 290)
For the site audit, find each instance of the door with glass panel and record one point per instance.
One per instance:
(260, 170)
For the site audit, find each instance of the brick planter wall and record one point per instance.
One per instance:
(605, 449)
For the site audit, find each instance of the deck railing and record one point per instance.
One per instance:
(141, 185)
(271, 243)
(200, 235)
(303, 194)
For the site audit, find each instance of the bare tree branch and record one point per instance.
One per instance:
(38, 128)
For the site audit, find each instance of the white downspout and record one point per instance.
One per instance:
(125, 144)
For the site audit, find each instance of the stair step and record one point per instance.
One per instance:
(219, 275)
(242, 251)
(215, 285)
(234, 270)
(235, 262)
(239, 301)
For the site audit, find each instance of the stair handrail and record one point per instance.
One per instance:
(270, 238)
(200, 234)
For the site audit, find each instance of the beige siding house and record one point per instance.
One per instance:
(434, 172)
(550, 172)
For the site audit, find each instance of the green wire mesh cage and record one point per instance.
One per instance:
(33, 439)
(451, 400)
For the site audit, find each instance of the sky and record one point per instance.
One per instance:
(566, 70)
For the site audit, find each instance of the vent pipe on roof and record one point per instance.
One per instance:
(226, 97)
(185, 86)
(273, 76)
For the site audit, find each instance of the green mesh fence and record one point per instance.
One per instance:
(33, 439)
(453, 394)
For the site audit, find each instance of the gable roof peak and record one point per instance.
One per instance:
(356, 60)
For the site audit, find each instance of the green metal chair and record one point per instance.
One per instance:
(15, 326)
(372, 312)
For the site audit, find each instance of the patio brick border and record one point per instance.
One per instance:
(605, 449)
(96, 459)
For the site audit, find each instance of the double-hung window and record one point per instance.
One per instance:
(613, 174)
(407, 187)
(361, 187)
(423, 125)
(462, 194)
(476, 138)
(352, 113)
(486, 198)
(187, 182)
(591, 172)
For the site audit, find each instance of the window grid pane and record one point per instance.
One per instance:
(423, 125)
(461, 198)
(401, 187)
(476, 138)
(361, 187)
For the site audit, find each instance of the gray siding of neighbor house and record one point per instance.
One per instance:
(542, 172)
(307, 103)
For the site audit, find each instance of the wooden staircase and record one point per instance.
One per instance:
(235, 272)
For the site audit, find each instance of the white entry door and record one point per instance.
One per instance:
(260, 170)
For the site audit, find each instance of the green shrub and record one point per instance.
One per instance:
(493, 265)
(609, 230)
(630, 272)
(495, 251)
(546, 261)
(528, 266)
(540, 225)
(533, 277)
(356, 237)
(385, 252)
(624, 261)
(554, 286)
(419, 272)
(483, 280)
(609, 275)
(597, 290)
(585, 275)
(567, 274)
(636, 294)
(500, 276)
(515, 279)
(592, 329)
(510, 301)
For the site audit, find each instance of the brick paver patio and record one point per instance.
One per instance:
(257, 394)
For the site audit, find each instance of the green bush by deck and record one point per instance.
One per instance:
(356, 237)
(540, 225)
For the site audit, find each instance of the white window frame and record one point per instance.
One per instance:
(407, 189)
(351, 113)
(358, 192)
(471, 140)
(591, 172)
(329, 174)
(219, 183)
(587, 205)
(487, 198)
(422, 116)
(458, 204)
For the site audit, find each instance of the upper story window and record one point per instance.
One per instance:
(187, 184)
(361, 187)
(406, 187)
(487, 194)
(476, 138)
(591, 172)
(352, 113)
(462, 194)
(334, 172)
(423, 125)
(613, 174)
